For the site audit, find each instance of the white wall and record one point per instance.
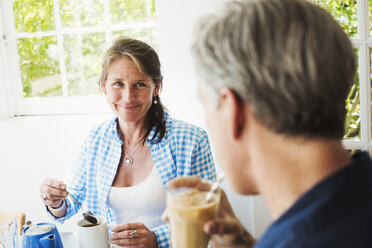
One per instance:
(32, 148)
(3, 97)
(176, 20)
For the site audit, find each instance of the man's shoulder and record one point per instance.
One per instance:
(348, 229)
(334, 213)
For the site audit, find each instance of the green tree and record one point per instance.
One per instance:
(345, 12)
(34, 16)
(39, 57)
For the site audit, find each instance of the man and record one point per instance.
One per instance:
(273, 78)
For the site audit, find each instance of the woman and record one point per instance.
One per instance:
(126, 161)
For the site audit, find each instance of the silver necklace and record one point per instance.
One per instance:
(128, 161)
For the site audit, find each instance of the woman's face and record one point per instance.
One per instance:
(129, 92)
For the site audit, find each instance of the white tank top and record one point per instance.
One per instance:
(144, 202)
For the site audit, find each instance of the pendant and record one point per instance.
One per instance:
(128, 161)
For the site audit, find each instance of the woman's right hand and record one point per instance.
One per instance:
(53, 192)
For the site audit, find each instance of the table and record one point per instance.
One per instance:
(69, 240)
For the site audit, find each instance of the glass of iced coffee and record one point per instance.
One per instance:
(188, 211)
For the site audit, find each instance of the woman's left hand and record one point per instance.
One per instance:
(133, 235)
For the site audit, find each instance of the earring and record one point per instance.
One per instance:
(155, 101)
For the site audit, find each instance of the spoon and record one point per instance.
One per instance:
(88, 216)
(214, 188)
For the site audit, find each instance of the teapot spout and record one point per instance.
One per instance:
(49, 241)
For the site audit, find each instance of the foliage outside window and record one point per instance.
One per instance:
(60, 54)
(345, 12)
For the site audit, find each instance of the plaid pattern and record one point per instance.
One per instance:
(183, 151)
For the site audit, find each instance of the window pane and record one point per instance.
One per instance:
(344, 11)
(39, 65)
(124, 11)
(370, 76)
(148, 35)
(33, 15)
(352, 121)
(83, 53)
(152, 9)
(370, 16)
(83, 56)
(81, 13)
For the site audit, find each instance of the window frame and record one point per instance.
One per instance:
(4, 106)
(16, 103)
(363, 42)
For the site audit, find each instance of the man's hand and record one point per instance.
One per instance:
(226, 230)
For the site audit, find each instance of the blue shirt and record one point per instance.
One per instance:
(337, 212)
(183, 151)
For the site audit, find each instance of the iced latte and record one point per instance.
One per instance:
(188, 211)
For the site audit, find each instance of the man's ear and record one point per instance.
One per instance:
(234, 108)
(102, 85)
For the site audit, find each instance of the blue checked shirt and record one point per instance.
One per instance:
(184, 151)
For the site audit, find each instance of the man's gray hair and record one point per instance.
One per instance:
(288, 59)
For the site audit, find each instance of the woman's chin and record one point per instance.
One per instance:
(128, 117)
